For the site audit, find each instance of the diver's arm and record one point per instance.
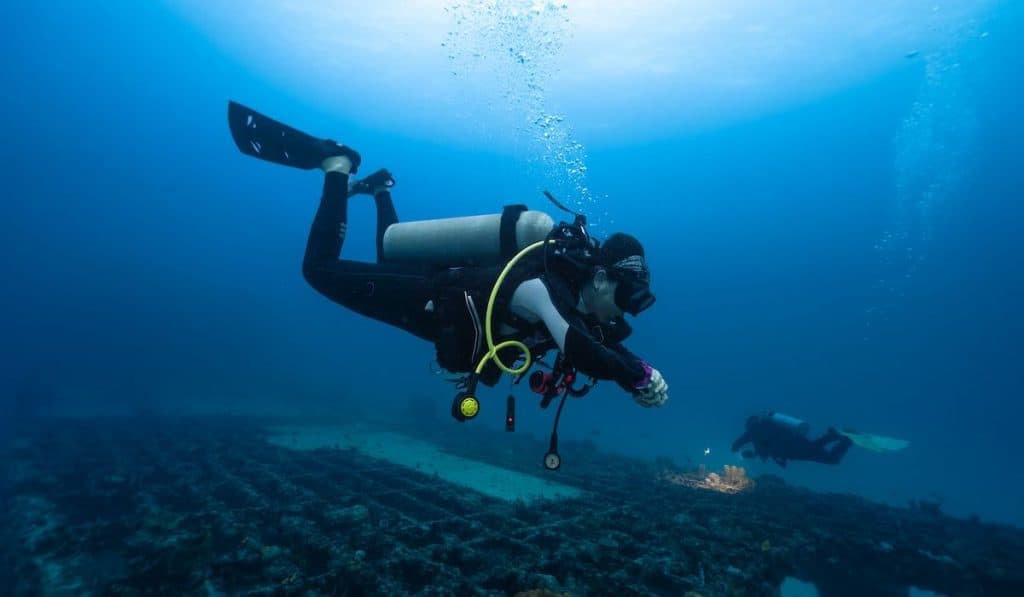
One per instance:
(628, 357)
(622, 351)
(591, 357)
(532, 301)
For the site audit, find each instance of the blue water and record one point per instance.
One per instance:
(851, 258)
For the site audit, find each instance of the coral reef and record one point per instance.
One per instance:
(205, 505)
(732, 480)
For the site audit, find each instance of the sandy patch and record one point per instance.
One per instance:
(426, 458)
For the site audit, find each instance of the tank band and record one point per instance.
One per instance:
(509, 217)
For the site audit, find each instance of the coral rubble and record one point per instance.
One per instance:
(206, 505)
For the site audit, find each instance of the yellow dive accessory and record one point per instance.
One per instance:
(467, 405)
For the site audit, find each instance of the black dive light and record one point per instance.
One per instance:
(510, 413)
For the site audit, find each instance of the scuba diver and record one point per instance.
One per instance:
(783, 438)
(446, 281)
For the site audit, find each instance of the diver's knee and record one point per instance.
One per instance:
(311, 273)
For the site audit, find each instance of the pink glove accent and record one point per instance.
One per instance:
(648, 371)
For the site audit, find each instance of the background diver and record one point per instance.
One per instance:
(574, 305)
(783, 438)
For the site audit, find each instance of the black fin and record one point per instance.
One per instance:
(267, 139)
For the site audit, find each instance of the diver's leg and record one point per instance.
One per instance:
(393, 294)
(327, 233)
(830, 436)
(386, 216)
(379, 185)
(838, 451)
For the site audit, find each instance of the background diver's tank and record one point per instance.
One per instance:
(801, 427)
(466, 241)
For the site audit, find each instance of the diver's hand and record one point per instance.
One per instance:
(653, 393)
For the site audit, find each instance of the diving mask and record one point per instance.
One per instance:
(633, 294)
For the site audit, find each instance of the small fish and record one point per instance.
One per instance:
(912, 54)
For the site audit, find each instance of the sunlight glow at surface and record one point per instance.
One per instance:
(643, 70)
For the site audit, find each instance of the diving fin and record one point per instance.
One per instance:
(267, 139)
(875, 443)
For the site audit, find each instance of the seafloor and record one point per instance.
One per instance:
(206, 505)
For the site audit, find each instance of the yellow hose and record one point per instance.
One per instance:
(492, 352)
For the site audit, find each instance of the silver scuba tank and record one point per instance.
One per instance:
(466, 241)
(801, 427)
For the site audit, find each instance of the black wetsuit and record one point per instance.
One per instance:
(394, 294)
(782, 443)
(446, 305)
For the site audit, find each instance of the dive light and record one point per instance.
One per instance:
(510, 413)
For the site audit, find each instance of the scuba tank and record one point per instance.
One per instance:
(466, 241)
(782, 420)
